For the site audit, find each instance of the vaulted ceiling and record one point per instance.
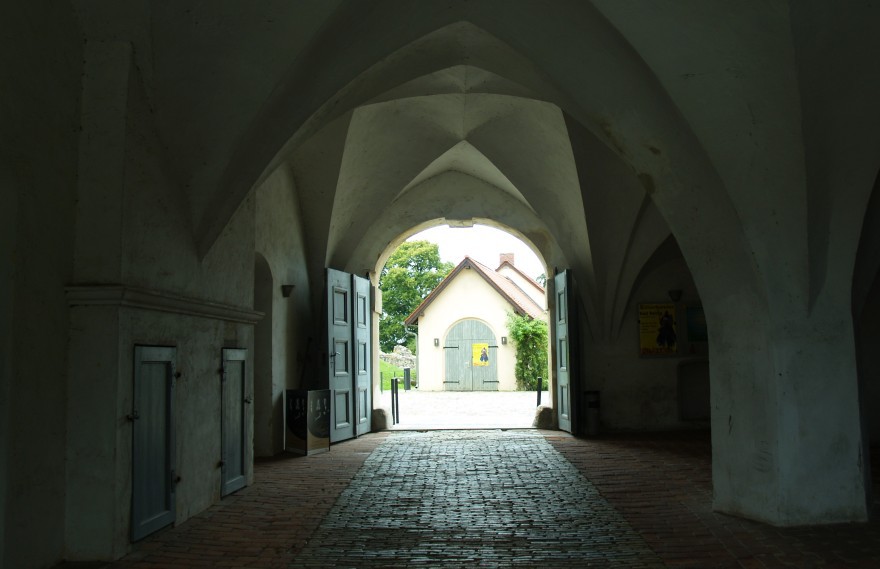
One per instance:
(591, 129)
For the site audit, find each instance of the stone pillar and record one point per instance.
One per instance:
(91, 510)
(786, 435)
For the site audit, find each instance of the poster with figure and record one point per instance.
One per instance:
(657, 329)
(480, 354)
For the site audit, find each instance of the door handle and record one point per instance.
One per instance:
(248, 399)
(133, 417)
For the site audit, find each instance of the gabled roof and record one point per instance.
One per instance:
(522, 303)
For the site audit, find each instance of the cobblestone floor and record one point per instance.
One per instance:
(495, 498)
(466, 498)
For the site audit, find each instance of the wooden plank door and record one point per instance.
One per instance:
(233, 428)
(363, 328)
(485, 378)
(153, 450)
(462, 374)
(340, 355)
(566, 352)
(453, 374)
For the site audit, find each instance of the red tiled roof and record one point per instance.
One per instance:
(521, 302)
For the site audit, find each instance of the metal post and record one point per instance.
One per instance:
(393, 400)
(540, 382)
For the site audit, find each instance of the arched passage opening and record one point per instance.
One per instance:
(460, 330)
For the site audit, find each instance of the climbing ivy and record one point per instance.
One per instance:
(530, 338)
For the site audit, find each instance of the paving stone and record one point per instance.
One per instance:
(461, 497)
(494, 498)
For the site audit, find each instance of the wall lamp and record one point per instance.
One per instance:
(503, 339)
(436, 342)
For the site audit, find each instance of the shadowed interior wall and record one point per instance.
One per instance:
(38, 149)
(263, 358)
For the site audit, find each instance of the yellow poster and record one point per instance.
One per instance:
(657, 329)
(481, 354)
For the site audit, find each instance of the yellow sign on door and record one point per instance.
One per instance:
(480, 354)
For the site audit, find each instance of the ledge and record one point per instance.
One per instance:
(157, 300)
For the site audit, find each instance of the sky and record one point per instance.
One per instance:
(483, 243)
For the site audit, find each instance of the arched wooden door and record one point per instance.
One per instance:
(471, 355)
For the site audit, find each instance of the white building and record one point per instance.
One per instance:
(463, 339)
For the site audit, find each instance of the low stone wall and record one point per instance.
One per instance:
(400, 357)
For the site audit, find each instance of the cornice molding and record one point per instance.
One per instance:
(157, 300)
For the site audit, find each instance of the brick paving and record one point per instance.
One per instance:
(465, 498)
(662, 485)
(495, 499)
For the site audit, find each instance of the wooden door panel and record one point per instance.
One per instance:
(340, 356)
(363, 369)
(566, 346)
(233, 426)
(152, 418)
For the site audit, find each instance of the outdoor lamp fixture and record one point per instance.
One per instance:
(675, 295)
(436, 342)
(286, 290)
(503, 339)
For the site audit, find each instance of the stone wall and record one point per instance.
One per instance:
(401, 357)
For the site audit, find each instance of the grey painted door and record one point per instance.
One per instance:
(455, 377)
(363, 329)
(566, 351)
(233, 431)
(152, 418)
(462, 372)
(340, 355)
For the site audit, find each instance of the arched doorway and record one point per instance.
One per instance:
(471, 357)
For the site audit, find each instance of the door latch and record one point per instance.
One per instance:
(248, 399)
(133, 417)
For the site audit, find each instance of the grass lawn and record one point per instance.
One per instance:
(387, 371)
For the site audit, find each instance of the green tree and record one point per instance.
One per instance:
(530, 338)
(409, 275)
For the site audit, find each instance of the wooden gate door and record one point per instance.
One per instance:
(455, 375)
(340, 355)
(233, 431)
(566, 351)
(152, 417)
(467, 368)
(363, 329)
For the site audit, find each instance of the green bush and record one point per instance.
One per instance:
(530, 338)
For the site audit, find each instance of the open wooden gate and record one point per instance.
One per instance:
(566, 352)
(349, 354)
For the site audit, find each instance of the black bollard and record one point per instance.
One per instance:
(540, 381)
